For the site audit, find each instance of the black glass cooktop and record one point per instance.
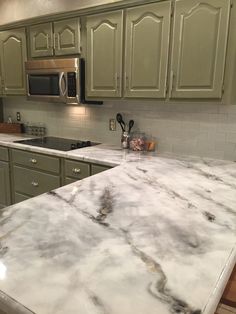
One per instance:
(63, 144)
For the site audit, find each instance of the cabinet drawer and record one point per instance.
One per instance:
(3, 154)
(33, 182)
(76, 169)
(36, 161)
(97, 169)
(69, 181)
(20, 198)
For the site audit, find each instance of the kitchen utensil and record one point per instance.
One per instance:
(120, 120)
(125, 137)
(131, 124)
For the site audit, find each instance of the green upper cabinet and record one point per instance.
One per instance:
(41, 40)
(13, 56)
(58, 38)
(67, 37)
(104, 54)
(146, 50)
(199, 48)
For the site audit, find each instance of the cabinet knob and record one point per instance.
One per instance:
(33, 160)
(35, 184)
(76, 170)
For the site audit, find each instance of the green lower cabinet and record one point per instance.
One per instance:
(97, 169)
(1, 81)
(36, 161)
(34, 174)
(76, 170)
(5, 194)
(20, 198)
(69, 181)
(33, 183)
(13, 54)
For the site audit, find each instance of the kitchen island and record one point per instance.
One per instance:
(152, 235)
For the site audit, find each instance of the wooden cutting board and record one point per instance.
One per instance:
(10, 127)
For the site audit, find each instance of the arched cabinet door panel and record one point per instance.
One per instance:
(67, 37)
(146, 50)
(104, 54)
(41, 40)
(199, 48)
(13, 56)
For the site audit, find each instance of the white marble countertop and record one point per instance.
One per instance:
(153, 235)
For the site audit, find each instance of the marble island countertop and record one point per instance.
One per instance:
(153, 235)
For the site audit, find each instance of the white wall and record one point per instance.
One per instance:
(198, 129)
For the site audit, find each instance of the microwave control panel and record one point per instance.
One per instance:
(71, 79)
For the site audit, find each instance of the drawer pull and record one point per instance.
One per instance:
(76, 170)
(35, 184)
(33, 160)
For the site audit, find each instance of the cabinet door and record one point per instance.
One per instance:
(67, 37)
(4, 184)
(13, 57)
(199, 48)
(146, 50)
(20, 198)
(104, 54)
(41, 40)
(95, 169)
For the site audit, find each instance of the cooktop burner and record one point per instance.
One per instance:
(63, 144)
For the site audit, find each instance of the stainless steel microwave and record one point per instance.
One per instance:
(54, 80)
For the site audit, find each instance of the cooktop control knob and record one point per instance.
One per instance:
(88, 143)
(73, 146)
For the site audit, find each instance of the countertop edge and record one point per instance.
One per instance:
(216, 295)
(9, 304)
(59, 154)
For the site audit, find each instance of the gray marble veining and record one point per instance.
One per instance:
(153, 235)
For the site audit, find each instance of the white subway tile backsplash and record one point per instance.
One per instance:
(231, 137)
(203, 129)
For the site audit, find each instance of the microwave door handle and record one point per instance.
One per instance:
(62, 77)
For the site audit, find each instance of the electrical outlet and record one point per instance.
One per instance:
(112, 125)
(18, 116)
